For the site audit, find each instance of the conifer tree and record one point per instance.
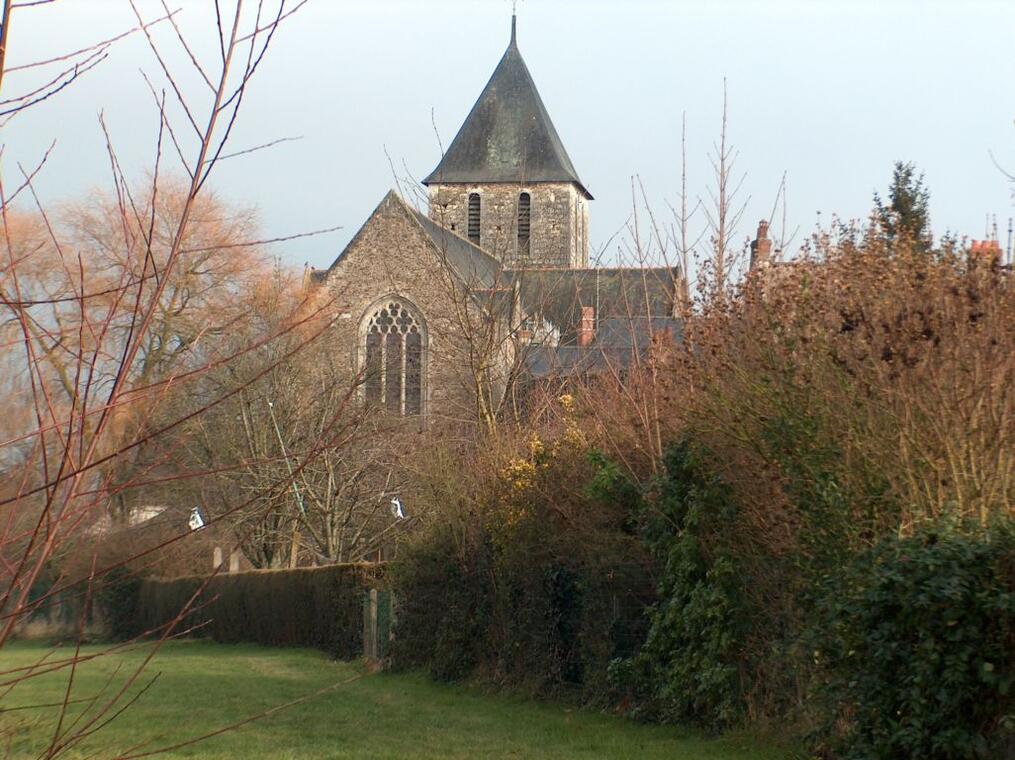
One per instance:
(905, 218)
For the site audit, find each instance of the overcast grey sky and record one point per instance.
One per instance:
(832, 93)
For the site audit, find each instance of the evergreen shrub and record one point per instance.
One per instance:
(688, 669)
(917, 637)
(117, 598)
(443, 608)
(539, 586)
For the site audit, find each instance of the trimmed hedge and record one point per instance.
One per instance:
(444, 608)
(319, 607)
(548, 626)
(117, 597)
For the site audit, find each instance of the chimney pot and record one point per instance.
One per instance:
(988, 250)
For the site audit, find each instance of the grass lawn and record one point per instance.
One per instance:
(203, 686)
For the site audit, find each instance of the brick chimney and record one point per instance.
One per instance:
(761, 247)
(587, 326)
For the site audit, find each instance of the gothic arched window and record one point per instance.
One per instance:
(393, 357)
(474, 208)
(524, 217)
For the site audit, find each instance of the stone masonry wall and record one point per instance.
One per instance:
(558, 226)
(392, 255)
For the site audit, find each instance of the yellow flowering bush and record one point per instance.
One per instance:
(538, 460)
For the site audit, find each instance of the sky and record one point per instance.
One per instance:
(829, 94)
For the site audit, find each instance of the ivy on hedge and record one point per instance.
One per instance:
(537, 605)
(687, 669)
(118, 597)
(443, 607)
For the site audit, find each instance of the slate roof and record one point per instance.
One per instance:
(616, 293)
(474, 266)
(617, 342)
(631, 304)
(508, 135)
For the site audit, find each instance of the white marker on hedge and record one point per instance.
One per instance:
(397, 510)
(196, 521)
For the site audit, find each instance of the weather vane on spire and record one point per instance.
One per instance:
(514, 11)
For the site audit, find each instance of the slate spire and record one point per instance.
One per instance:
(508, 135)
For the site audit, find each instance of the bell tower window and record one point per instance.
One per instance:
(524, 218)
(393, 358)
(474, 209)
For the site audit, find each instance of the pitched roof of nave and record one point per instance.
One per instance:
(508, 135)
(620, 293)
(557, 294)
(472, 264)
(629, 308)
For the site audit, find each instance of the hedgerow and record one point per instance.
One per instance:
(319, 607)
(688, 668)
(118, 598)
(766, 491)
(535, 584)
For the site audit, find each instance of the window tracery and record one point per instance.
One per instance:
(393, 358)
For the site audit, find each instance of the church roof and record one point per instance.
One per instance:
(508, 135)
(627, 295)
(616, 344)
(476, 268)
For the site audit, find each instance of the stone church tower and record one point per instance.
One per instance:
(437, 313)
(506, 183)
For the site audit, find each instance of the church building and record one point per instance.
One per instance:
(443, 313)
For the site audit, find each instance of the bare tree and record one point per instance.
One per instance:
(54, 74)
(293, 466)
(726, 210)
(106, 328)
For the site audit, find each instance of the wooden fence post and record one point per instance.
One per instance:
(378, 620)
(373, 624)
(370, 625)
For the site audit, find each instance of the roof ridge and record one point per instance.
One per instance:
(424, 219)
(484, 264)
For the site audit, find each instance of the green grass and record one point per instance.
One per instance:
(203, 686)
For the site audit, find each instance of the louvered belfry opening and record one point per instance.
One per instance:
(394, 359)
(524, 216)
(474, 209)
